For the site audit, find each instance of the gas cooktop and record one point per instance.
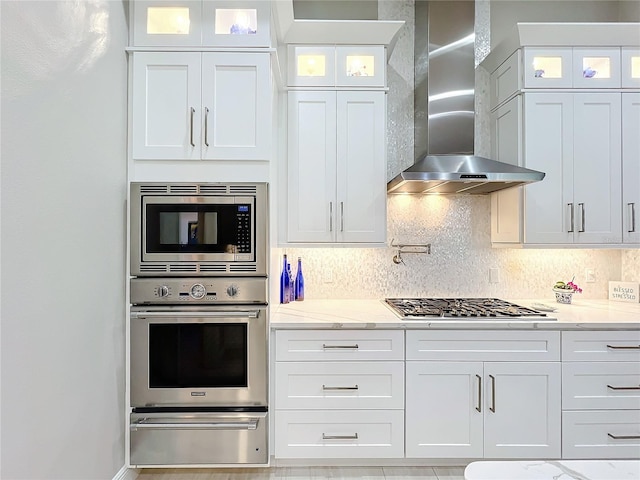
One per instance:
(461, 308)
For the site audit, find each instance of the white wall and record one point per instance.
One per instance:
(63, 236)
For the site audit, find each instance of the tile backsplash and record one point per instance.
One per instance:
(458, 229)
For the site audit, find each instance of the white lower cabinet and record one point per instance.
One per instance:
(601, 394)
(339, 394)
(483, 409)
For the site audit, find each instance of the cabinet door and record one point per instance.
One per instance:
(361, 167)
(631, 167)
(596, 67)
(597, 167)
(236, 106)
(507, 205)
(234, 23)
(548, 139)
(311, 203)
(522, 410)
(162, 23)
(444, 410)
(166, 106)
(630, 67)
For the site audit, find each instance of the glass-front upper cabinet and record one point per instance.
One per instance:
(630, 67)
(322, 65)
(596, 67)
(201, 23)
(548, 67)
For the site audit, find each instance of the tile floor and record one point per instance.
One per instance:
(305, 473)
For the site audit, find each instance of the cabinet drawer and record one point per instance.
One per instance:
(505, 81)
(591, 434)
(483, 345)
(340, 385)
(339, 434)
(607, 385)
(315, 345)
(616, 346)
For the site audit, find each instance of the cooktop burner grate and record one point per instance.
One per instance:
(459, 307)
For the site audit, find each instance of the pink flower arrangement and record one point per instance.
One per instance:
(570, 286)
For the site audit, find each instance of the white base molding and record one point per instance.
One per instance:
(126, 474)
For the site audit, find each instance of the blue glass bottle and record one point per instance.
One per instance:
(299, 283)
(291, 286)
(285, 282)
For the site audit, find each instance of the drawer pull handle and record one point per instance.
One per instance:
(624, 437)
(339, 437)
(624, 347)
(349, 347)
(623, 388)
(324, 387)
(479, 407)
(493, 394)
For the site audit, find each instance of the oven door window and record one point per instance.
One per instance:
(198, 228)
(209, 355)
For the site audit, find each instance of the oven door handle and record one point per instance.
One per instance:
(145, 423)
(227, 314)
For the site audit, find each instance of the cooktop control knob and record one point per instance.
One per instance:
(163, 291)
(198, 291)
(232, 290)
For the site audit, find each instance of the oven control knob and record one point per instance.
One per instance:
(198, 291)
(232, 290)
(163, 291)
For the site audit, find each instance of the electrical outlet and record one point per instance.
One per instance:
(590, 275)
(327, 276)
(494, 275)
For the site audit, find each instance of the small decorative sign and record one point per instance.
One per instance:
(624, 292)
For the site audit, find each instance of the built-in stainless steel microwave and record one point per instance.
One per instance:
(187, 229)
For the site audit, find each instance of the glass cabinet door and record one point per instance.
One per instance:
(630, 67)
(311, 66)
(360, 66)
(547, 68)
(236, 23)
(159, 23)
(596, 67)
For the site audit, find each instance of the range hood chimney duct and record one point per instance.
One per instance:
(444, 68)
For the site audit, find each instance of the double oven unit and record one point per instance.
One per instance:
(198, 324)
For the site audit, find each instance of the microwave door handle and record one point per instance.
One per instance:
(250, 424)
(238, 314)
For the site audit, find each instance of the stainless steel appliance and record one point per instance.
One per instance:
(463, 309)
(198, 368)
(198, 229)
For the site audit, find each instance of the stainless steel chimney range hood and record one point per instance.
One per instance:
(444, 68)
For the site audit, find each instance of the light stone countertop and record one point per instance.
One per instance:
(550, 470)
(375, 314)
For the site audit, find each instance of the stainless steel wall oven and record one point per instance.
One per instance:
(198, 346)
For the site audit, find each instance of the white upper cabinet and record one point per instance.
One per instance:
(201, 23)
(631, 167)
(596, 67)
(211, 106)
(339, 66)
(547, 68)
(630, 67)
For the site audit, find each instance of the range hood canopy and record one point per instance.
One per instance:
(444, 74)
(460, 174)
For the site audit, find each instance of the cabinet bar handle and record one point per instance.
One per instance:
(331, 216)
(350, 347)
(342, 216)
(623, 388)
(632, 217)
(339, 437)
(581, 205)
(493, 394)
(479, 407)
(570, 205)
(206, 126)
(324, 387)
(193, 111)
(624, 437)
(624, 347)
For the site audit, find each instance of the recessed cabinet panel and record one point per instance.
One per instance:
(360, 66)
(176, 23)
(630, 67)
(311, 66)
(547, 67)
(596, 67)
(631, 167)
(235, 24)
(506, 79)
